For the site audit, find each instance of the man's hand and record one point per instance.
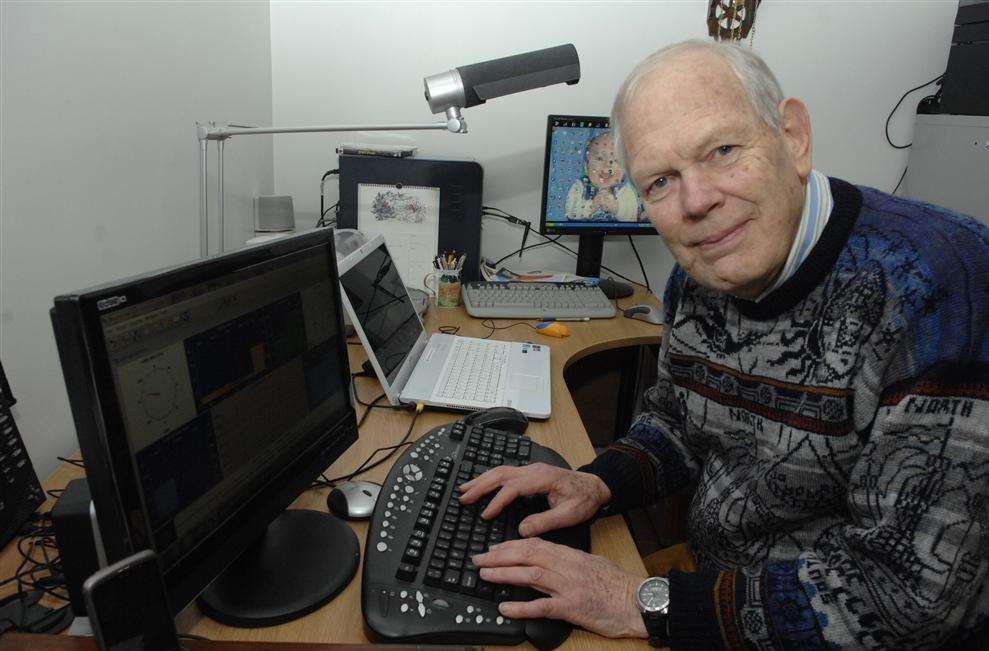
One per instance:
(583, 589)
(573, 496)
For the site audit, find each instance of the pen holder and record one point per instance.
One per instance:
(445, 285)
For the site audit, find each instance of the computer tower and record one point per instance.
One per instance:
(20, 491)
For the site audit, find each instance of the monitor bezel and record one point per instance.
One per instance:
(121, 511)
(598, 228)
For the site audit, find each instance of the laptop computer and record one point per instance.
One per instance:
(441, 370)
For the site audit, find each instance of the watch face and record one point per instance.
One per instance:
(654, 594)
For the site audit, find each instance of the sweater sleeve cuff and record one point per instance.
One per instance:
(703, 611)
(622, 473)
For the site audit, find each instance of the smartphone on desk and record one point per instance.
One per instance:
(128, 606)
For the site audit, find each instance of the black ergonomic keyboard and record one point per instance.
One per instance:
(419, 584)
(20, 491)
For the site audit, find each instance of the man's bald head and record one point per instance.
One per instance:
(755, 78)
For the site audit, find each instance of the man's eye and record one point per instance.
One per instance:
(660, 183)
(724, 150)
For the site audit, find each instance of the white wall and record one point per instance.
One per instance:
(354, 63)
(100, 162)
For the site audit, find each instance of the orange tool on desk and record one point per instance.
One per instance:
(553, 329)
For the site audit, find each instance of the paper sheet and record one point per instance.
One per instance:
(409, 218)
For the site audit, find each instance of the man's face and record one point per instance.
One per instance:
(723, 190)
(602, 168)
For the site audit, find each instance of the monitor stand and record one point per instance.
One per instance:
(301, 562)
(589, 250)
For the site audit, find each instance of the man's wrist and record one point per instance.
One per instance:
(636, 624)
(600, 494)
(603, 492)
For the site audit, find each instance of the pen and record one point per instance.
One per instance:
(570, 318)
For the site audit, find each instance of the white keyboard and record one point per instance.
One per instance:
(475, 373)
(518, 300)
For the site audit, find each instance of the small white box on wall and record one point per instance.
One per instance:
(273, 214)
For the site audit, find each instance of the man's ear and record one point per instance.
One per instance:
(795, 129)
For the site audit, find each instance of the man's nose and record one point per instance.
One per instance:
(698, 194)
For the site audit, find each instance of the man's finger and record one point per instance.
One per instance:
(512, 489)
(480, 486)
(558, 517)
(545, 607)
(533, 576)
(528, 551)
(509, 491)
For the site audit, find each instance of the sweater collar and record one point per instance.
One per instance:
(817, 209)
(817, 262)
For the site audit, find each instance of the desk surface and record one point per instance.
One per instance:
(341, 620)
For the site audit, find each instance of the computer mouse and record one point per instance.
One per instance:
(552, 329)
(503, 418)
(614, 289)
(353, 500)
(647, 313)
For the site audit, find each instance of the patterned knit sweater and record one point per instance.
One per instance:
(839, 434)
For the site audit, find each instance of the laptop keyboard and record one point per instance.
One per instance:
(475, 373)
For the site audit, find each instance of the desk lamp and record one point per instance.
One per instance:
(447, 92)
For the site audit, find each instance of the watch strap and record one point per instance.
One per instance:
(657, 627)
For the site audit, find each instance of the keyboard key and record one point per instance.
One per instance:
(485, 590)
(406, 572)
(457, 432)
(503, 593)
(468, 582)
(451, 580)
(434, 577)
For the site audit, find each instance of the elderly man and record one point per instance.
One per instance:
(823, 376)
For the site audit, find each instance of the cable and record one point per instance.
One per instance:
(322, 182)
(488, 323)
(34, 574)
(902, 176)
(371, 404)
(550, 240)
(322, 222)
(78, 463)
(890, 117)
(641, 266)
(367, 409)
(364, 467)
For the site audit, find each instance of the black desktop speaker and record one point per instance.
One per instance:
(74, 536)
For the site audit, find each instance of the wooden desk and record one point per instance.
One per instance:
(341, 619)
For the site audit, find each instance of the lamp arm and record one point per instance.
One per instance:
(454, 123)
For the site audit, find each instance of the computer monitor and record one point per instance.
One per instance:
(585, 191)
(206, 398)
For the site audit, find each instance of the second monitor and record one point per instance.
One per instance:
(585, 189)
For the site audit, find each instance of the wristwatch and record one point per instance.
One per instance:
(653, 599)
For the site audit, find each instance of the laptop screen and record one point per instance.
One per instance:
(383, 308)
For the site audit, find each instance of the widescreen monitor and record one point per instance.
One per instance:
(206, 398)
(585, 190)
